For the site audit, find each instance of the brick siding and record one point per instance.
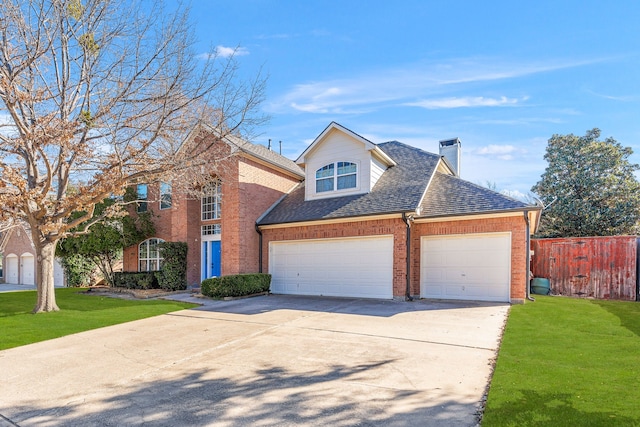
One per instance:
(397, 228)
(249, 188)
(514, 224)
(394, 226)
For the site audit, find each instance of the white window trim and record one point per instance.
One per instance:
(159, 259)
(335, 178)
(215, 206)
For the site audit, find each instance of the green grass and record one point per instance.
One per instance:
(568, 362)
(78, 312)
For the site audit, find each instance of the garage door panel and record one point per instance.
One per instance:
(471, 267)
(353, 267)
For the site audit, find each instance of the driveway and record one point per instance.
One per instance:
(265, 361)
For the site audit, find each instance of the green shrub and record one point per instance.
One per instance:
(131, 280)
(236, 285)
(173, 273)
(77, 269)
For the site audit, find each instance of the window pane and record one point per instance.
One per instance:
(141, 190)
(346, 167)
(347, 181)
(325, 171)
(149, 255)
(324, 185)
(144, 250)
(165, 195)
(211, 201)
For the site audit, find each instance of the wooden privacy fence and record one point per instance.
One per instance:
(590, 267)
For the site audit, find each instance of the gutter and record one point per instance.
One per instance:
(528, 255)
(259, 247)
(407, 220)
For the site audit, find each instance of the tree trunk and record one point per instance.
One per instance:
(45, 255)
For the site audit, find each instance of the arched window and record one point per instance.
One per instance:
(149, 258)
(211, 201)
(336, 176)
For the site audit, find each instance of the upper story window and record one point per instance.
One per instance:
(165, 195)
(142, 195)
(149, 258)
(211, 201)
(336, 176)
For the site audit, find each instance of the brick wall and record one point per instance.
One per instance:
(249, 188)
(395, 227)
(515, 224)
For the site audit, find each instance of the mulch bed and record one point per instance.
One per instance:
(132, 293)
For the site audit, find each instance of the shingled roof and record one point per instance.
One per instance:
(449, 195)
(263, 153)
(400, 189)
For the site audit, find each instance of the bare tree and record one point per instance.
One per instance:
(101, 94)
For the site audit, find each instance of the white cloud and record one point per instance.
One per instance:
(492, 149)
(467, 101)
(514, 194)
(407, 85)
(225, 52)
(501, 152)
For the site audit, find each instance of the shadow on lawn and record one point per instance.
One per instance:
(269, 396)
(536, 409)
(627, 311)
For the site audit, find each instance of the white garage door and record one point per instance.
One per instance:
(466, 267)
(12, 269)
(350, 267)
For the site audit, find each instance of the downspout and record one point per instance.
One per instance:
(528, 252)
(259, 247)
(408, 257)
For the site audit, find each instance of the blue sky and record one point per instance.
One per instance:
(502, 76)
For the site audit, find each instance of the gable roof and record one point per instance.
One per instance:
(449, 195)
(370, 146)
(399, 189)
(413, 185)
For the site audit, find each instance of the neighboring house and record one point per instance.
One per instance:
(351, 218)
(17, 255)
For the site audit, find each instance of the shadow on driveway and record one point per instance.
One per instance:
(364, 307)
(267, 397)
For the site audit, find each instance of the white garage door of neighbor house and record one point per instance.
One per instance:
(466, 267)
(349, 267)
(12, 269)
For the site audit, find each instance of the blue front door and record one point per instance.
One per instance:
(210, 259)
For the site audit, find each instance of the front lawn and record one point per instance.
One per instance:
(568, 362)
(78, 312)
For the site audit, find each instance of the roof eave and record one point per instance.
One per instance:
(479, 213)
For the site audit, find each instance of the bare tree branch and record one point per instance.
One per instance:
(102, 94)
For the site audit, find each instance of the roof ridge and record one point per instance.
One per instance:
(405, 145)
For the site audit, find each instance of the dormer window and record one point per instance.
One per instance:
(336, 176)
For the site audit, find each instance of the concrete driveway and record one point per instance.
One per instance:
(265, 361)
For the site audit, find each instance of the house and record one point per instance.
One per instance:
(17, 258)
(219, 226)
(355, 219)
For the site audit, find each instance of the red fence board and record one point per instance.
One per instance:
(593, 267)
